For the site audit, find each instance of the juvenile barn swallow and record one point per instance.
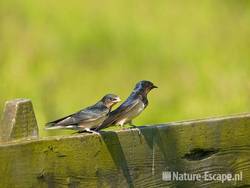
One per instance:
(132, 107)
(88, 118)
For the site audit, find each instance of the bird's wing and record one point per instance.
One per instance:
(119, 112)
(85, 115)
(53, 123)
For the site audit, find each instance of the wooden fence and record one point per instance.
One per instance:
(128, 158)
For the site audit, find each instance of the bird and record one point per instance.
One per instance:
(131, 107)
(87, 119)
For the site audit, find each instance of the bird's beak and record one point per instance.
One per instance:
(154, 87)
(117, 100)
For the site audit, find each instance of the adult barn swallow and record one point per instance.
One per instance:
(132, 107)
(88, 118)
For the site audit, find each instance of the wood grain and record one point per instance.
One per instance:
(131, 158)
(18, 121)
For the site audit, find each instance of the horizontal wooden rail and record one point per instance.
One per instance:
(132, 158)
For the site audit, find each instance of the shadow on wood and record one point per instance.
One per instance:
(129, 159)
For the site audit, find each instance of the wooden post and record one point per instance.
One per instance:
(127, 158)
(18, 121)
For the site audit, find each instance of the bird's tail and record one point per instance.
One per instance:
(52, 125)
(55, 124)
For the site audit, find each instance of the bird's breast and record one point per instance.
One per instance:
(134, 112)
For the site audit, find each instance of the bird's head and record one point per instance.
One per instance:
(144, 87)
(110, 100)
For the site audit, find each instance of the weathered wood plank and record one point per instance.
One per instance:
(18, 121)
(129, 159)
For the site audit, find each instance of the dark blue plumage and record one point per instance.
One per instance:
(132, 107)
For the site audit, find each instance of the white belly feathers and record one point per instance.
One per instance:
(132, 113)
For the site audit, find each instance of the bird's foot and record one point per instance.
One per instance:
(139, 130)
(123, 128)
(132, 126)
(135, 128)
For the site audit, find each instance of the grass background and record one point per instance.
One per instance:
(65, 55)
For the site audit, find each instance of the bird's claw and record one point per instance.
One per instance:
(136, 128)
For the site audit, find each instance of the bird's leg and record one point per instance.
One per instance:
(122, 126)
(131, 124)
(134, 126)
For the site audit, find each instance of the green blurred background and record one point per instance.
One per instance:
(65, 55)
